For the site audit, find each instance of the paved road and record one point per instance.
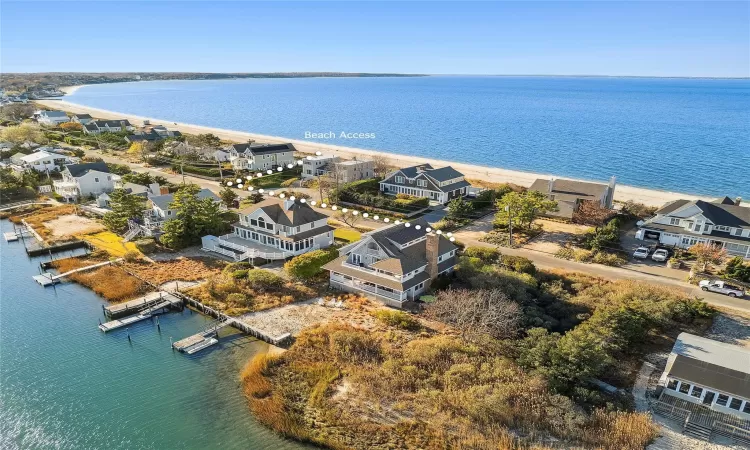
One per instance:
(470, 235)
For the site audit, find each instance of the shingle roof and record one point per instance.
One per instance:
(91, 126)
(163, 201)
(337, 266)
(82, 116)
(79, 170)
(718, 213)
(412, 171)
(710, 363)
(570, 189)
(264, 149)
(291, 214)
(54, 114)
(444, 173)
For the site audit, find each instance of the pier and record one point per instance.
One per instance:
(141, 304)
(47, 278)
(169, 302)
(203, 339)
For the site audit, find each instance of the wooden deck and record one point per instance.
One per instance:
(694, 414)
(140, 304)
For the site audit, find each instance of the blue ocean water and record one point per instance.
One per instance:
(684, 135)
(66, 385)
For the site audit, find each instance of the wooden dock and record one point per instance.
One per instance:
(141, 304)
(48, 278)
(143, 315)
(203, 339)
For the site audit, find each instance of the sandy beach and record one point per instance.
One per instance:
(492, 174)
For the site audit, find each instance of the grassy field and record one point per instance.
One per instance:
(111, 243)
(347, 234)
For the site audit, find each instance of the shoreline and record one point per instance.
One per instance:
(650, 197)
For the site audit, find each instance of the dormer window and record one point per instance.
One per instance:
(737, 232)
(674, 221)
(400, 179)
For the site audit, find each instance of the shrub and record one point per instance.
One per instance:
(605, 237)
(477, 312)
(264, 280)
(487, 254)
(736, 269)
(582, 255)
(309, 265)
(131, 256)
(239, 274)
(398, 319)
(608, 259)
(518, 264)
(565, 253)
(146, 246)
(231, 267)
(288, 182)
(356, 346)
(237, 298)
(638, 210)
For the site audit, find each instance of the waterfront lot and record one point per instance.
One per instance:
(72, 225)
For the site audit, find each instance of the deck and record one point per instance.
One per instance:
(143, 315)
(140, 304)
(696, 415)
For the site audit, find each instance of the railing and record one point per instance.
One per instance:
(732, 431)
(222, 251)
(671, 411)
(368, 270)
(359, 285)
(223, 240)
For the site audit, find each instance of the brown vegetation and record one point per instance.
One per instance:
(37, 218)
(111, 282)
(182, 269)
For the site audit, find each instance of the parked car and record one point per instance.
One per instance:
(722, 287)
(641, 253)
(660, 255)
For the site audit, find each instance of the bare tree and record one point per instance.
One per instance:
(16, 111)
(349, 217)
(475, 312)
(381, 165)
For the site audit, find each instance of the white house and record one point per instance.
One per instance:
(109, 126)
(83, 119)
(274, 229)
(314, 166)
(706, 386)
(261, 157)
(684, 223)
(439, 185)
(52, 118)
(153, 189)
(83, 180)
(159, 210)
(394, 264)
(42, 161)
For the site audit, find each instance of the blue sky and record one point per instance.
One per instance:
(544, 38)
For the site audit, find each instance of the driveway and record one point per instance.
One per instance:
(435, 215)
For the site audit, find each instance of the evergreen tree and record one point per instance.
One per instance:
(124, 207)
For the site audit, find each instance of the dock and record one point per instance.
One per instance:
(141, 304)
(203, 339)
(47, 278)
(143, 315)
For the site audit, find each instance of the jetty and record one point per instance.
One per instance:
(168, 302)
(47, 278)
(142, 305)
(203, 339)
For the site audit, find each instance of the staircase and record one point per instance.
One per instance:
(697, 431)
(134, 231)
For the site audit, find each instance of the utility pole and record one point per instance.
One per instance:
(221, 175)
(320, 189)
(182, 170)
(510, 226)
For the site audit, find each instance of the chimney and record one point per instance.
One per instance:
(431, 253)
(163, 190)
(737, 201)
(154, 188)
(551, 185)
(421, 168)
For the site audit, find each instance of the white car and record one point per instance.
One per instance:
(722, 288)
(660, 255)
(641, 253)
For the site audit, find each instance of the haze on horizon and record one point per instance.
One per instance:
(660, 39)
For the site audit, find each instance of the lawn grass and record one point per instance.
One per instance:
(111, 243)
(347, 234)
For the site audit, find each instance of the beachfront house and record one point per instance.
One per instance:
(83, 119)
(684, 223)
(570, 194)
(159, 209)
(394, 264)
(706, 386)
(52, 118)
(42, 161)
(152, 190)
(333, 167)
(151, 133)
(273, 229)
(439, 185)
(261, 157)
(107, 126)
(84, 180)
(220, 155)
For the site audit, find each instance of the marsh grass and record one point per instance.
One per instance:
(111, 282)
(37, 217)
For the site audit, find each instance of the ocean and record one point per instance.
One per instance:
(66, 385)
(679, 135)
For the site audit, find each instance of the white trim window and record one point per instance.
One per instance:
(400, 179)
(737, 232)
(422, 183)
(674, 221)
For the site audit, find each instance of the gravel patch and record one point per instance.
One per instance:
(731, 328)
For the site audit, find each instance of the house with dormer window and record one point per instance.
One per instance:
(395, 264)
(684, 223)
(83, 180)
(273, 229)
(439, 185)
(261, 157)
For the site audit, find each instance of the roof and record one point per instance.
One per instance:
(54, 114)
(718, 212)
(286, 212)
(135, 189)
(37, 156)
(82, 116)
(79, 170)
(91, 126)
(564, 189)
(444, 173)
(674, 229)
(412, 171)
(337, 266)
(710, 363)
(263, 149)
(163, 201)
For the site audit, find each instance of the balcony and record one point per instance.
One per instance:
(361, 286)
(65, 187)
(243, 249)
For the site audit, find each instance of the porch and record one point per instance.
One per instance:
(701, 421)
(243, 249)
(346, 283)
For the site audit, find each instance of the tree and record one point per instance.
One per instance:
(381, 165)
(476, 312)
(736, 269)
(135, 149)
(309, 265)
(228, 196)
(207, 140)
(708, 254)
(71, 126)
(173, 234)
(349, 217)
(16, 111)
(523, 207)
(591, 213)
(124, 207)
(195, 218)
(458, 209)
(23, 133)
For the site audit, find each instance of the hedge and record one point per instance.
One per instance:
(309, 265)
(213, 173)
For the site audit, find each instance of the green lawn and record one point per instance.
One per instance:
(347, 234)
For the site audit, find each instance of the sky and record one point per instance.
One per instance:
(638, 38)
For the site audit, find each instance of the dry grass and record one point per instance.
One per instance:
(182, 269)
(37, 218)
(111, 282)
(72, 225)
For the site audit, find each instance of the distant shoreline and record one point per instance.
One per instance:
(651, 197)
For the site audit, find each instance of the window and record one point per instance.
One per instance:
(746, 408)
(421, 183)
(696, 392)
(672, 384)
(400, 180)
(735, 404)
(722, 400)
(721, 228)
(96, 180)
(705, 228)
(253, 222)
(685, 388)
(169, 213)
(269, 226)
(109, 178)
(737, 232)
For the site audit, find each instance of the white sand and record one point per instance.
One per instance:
(622, 193)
